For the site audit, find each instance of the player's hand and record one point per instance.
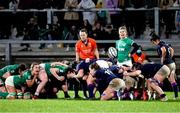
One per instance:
(125, 73)
(61, 78)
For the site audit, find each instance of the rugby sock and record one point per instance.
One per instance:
(66, 95)
(76, 88)
(175, 89)
(90, 90)
(84, 88)
(4, 94)
(162, 95)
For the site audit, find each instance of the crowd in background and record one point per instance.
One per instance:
(100, 24)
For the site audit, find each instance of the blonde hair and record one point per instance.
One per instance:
(33, 64)
(123, 28)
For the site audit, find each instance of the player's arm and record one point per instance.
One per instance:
(163, 50)
(58, 63)
(79, 74)
(96, 53)
(54, 72)
(77, 56)
(31, 81)
(77, 53)
(171, 51)
(133, 74)
(135, 47)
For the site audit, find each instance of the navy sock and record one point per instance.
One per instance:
(66, 95)
(162, 95)
(84, 88)
(175, 89)
(91, 89)
(76, 89)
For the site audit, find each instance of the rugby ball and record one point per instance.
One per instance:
(112, 52)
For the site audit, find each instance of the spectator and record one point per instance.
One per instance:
(114, 16)
(98, 34)
(71, 35)
(101, 15)
(31, 33)
(177, 16)
(110, 34)
(71, 18)
(167, 20)
(13, 5)
(86, 25)
(90, 16)
(140, 57)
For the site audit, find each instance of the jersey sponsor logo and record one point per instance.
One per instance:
(86, 51)
(121, 49)
(12, 71)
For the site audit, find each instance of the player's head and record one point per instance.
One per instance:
(154, 38)
(123, 32)
(93, 67)
(139, 51)
(35, 68)
(22, 67)
(83, 34)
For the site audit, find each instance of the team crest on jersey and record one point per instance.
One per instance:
(12, 71)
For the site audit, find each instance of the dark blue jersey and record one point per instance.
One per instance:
(149, 70)
(115, 69)
(103, 77)
(168, 59)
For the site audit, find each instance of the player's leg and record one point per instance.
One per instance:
(10, 88)
(91, 85)
(43, 80)
(172, 79)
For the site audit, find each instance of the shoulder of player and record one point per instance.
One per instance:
(91, 40)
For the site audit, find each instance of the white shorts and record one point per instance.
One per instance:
(10, 81)
(128, 63)
(172, 67)
(117, 84)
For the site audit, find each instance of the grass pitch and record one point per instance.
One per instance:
(89, 106)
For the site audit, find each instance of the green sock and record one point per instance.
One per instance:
(4, 94)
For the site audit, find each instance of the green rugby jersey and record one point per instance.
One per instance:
(123, 47)
(9, 68)
(21, 80)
